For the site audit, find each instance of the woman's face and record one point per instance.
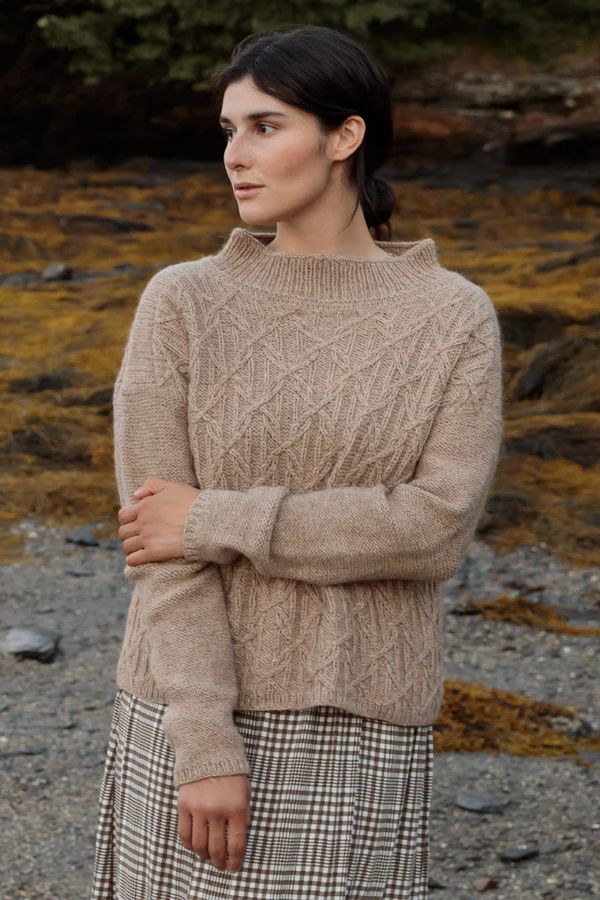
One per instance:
(279, 148)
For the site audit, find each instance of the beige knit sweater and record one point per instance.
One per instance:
(342, 417)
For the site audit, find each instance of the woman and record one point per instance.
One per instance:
(307, 424)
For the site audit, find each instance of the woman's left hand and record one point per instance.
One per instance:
(152, 528)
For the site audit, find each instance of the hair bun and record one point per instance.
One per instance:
(381, 201)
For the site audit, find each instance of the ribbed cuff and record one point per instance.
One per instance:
(195, 525)
(222, 525)
(234, 765)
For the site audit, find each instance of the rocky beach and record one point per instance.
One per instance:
(485, 807)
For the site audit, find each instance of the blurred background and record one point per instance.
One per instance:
(111, 168)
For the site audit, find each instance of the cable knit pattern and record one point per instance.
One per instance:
(342, 417)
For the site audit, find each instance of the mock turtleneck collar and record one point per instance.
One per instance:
(246, 259)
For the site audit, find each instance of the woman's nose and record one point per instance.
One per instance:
(237, 153)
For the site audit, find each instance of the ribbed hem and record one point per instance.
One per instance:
(246, 259)
(399, 713)
(140, 683)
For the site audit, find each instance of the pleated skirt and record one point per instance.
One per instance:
(340, 808)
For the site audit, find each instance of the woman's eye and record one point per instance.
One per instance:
(228, 131)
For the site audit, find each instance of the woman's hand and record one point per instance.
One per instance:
(208, 807)
(152, 528)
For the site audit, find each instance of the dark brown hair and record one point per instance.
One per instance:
(328, 74)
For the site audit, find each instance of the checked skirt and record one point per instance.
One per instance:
(339, 810)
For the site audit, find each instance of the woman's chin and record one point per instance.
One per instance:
(254, 217)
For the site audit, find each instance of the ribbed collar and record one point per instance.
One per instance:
(245, 258)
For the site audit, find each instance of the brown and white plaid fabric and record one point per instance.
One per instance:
(340, 810)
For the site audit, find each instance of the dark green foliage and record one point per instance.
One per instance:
(183, 40)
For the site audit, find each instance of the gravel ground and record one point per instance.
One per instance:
(56, 718)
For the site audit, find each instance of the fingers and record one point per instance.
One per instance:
(133, 543)
(129, 530)
(142, 492)
(128, 513)
(150, 486)
(184, 827)
(217, 843)
(220, 840)
(236, 840)
(200, 830)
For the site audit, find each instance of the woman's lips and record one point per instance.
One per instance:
(248, 191)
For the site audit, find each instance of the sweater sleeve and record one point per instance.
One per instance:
(182, 604)
(418, 530)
